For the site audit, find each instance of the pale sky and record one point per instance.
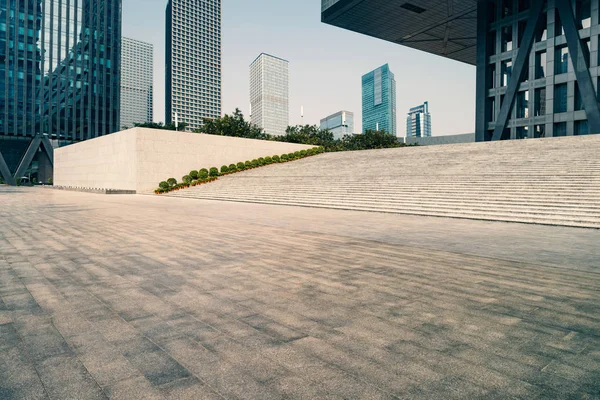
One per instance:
(326, 63)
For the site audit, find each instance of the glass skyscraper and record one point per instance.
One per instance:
(418, 122)
(339, 124)
(193, 61)
(59, 76)
(379, 100)
(137, 74)
(269, 94)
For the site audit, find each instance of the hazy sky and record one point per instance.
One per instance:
(326, 63)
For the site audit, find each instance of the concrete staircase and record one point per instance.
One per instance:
(552, 181)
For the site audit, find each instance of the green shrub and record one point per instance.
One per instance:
(172, 182)
(248, 164)
(268, 160)
(303, 153)
(276, 159)
(50, 181)
(254, 163)
(291, 156)
(214, 171)
(203, 173)
(241, 166)
(284, 158)
(186, 179)
(261, 161)
(194, 174)
(232, 168)
(224, 169)
(297, 154)
(164, 185)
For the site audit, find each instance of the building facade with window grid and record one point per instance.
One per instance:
(270, 94)
(548, 100)
(59, 77)
(379, 100)
(137, 74)
(418, 121)
(339, 124)
(193, 61)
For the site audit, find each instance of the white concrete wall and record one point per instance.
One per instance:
(107, 162)
(138, 159)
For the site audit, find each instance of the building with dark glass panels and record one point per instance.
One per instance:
(59, 79)
(379, 100)
(537, 60)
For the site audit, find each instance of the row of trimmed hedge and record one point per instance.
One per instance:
(202, 176)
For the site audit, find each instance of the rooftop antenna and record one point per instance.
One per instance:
(302, 114)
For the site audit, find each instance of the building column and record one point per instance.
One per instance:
(481, 89)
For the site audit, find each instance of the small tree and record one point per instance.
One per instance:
(241, 166)
(203, 173)
(187, 179)
(276, 159)
(261, 161)
(284, 158)
(224, 169)
(194, 174)
(232, 168)
(254, 163)
(248, 164)
(214, 172)
(268, 160)
(172, 181)
(164, 185)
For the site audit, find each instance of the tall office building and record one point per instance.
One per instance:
(137, 74)
(269, 94)
(193, 61)
(340, 124)
(379, 100)
(59, 79)
(418, 122)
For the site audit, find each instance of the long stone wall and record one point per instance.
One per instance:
(138, 159)
(436, 140)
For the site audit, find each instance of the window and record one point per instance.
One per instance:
(506, 72)
(542, 29)
(560, 98)
(558, 27)
(492, 76)
(540, 102)
(523, 104)
(507, 8)
(507, 38)
(561, 61)
(522, 132)
(492, 109)
(560, 129)
(524, 5)
(540, 65)
(584, 14)
(539, 131)
(581, 128)
(491, 42)
(578, 99)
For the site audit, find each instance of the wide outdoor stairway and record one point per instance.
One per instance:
(552, 181)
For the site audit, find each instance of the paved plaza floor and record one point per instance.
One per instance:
(149, 297)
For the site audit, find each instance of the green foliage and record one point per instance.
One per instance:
(241, 166)
(291, 156)
(194, 174)
(224, 169)
(159, 125)
(303, 153)
(284, 158)
(261, 161)
(248, 164)
(268, 160)
(187, 179)
(297, 154)
(232, 125)
(164, 185)
(276, 159)
(172, 182)
(254, 163)
(50, 181)
(214, 171)
(203, 173)
(232, 168)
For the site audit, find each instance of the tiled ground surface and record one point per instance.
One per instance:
(149, 297)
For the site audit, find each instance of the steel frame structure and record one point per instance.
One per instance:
(34, 145)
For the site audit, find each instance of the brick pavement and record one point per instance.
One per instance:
(147, 297)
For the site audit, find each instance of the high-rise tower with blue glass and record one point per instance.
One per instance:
(59, 79)
(379, 100)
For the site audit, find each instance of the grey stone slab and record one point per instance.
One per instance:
(66, 378)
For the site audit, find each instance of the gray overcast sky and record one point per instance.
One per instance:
(326, 63)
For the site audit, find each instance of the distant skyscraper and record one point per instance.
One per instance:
(136, 82)
(269, 94)
(379, 100)
(418, 122)
(193, 61)
(340, 124)
(59, 78)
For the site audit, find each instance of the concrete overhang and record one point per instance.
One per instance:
(446, 28)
